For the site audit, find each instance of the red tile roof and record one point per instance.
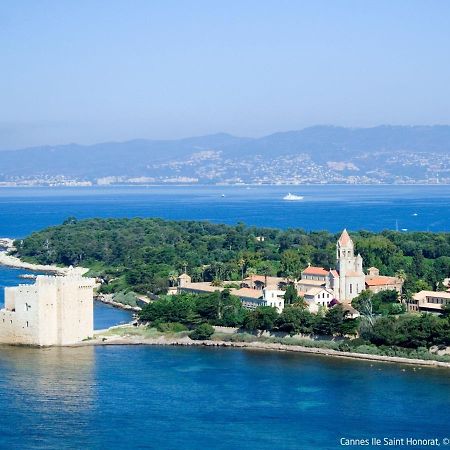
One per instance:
(247, 292)
(345, 238)
(315, 271)
(381, 281)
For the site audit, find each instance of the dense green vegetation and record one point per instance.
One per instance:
(223, 309)
(201, 332)
(146, 255)
(407, 335)
(383, 303)
(393, 334)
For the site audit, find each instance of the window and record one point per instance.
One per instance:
(351, 288)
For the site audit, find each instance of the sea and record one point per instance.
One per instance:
(126, 397)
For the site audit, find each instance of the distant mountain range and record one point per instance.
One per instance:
(320, 154)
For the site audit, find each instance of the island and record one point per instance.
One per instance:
(350, 293)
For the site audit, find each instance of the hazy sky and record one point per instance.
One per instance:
(91, 71)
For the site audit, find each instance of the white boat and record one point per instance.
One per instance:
(292, 197)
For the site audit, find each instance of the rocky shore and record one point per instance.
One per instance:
(108, 339)
(108, 299)
(7, 245)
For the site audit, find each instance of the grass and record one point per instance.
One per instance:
(142, 332)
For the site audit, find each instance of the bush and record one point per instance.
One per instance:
(126, 298)
(344, 347)
(357, 342)
(202, 332)
(171, 327)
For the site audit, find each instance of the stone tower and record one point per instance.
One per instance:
(350, 268)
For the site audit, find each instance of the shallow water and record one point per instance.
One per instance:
(163, 397)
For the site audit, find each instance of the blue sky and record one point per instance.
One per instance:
(91, 71)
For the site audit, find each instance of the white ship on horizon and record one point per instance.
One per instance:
(292, 197)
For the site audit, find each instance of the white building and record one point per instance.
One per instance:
(317, 285)
(352, 280)
(53, 311)
(429, 301)
(317, 297)
(274, 297)
(348, 280)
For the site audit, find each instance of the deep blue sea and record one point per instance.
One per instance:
(191, 398)
(375, 208)
(199, 398)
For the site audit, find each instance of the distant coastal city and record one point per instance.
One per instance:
(316, 155)
(224, 225)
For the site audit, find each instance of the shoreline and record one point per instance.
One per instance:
(101, 339)
(107, 301)
(16, 263)
(7, 244)
(187, 342)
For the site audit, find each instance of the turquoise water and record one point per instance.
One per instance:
(191, 398)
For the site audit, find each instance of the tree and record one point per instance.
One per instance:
(332, 322)
(295, 320)
(290, 263)
(421, 285)
(363, 304)
(290, 295)
(241, 263)
(446, 310)
(202, 332)
(261, 318)
(173, 277)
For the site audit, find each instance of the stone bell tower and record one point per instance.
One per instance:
(350, 268)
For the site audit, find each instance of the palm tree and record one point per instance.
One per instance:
(241, 263)
(173, 277)
(401, 274)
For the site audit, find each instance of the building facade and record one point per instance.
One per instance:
(53, 311)
(318, 286)
(429, 301)
(348, 279)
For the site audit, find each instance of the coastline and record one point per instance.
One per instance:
(101, 339)
(107, 300)
(7, 244)
(12, 261)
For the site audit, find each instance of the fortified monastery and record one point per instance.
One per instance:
(53, 311)
(318, 286)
